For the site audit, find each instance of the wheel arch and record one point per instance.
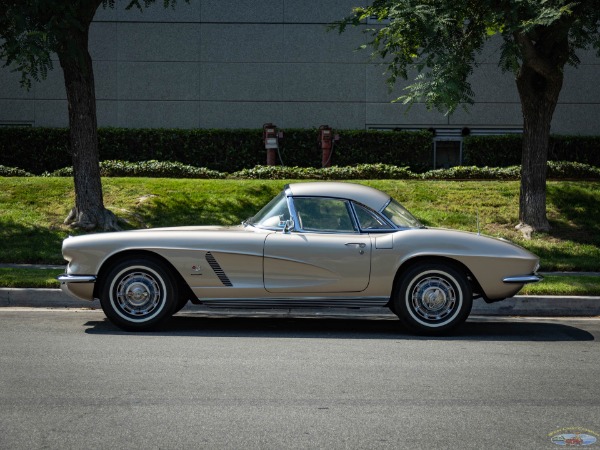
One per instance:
(144, 254)
(434, 259)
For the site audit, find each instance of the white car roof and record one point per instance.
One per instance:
(366, 195)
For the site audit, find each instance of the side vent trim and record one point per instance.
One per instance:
(214, 265)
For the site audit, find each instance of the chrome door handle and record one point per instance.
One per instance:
(358, 244)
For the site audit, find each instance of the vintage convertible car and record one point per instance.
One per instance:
(320, 244)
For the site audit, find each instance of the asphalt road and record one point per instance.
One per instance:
(69, 379)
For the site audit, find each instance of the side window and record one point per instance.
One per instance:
(323, 214)
(369, 221)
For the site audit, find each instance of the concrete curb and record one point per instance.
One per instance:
(521, 305)
(41, 298)
(540, 306)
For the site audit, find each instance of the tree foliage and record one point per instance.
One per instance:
(31, 31)
(443, 40)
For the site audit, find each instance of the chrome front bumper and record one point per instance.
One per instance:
(523, 279)
(65, 278)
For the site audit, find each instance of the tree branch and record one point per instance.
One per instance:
(531, 56)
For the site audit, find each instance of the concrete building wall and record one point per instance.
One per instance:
(242, 63)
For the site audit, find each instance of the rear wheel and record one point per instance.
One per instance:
(138, 294)
(433, 298)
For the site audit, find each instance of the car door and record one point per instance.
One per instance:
(324, 254)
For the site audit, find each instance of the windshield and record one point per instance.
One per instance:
(273, 215)
(400, 216)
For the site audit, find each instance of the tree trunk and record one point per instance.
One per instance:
(539, 95)
(89, 212)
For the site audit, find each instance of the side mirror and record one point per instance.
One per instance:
(289, 226)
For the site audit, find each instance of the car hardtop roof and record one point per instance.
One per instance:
(366, 195)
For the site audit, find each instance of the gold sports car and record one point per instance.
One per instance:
(320, 244)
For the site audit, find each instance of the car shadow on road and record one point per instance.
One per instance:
(481, 329)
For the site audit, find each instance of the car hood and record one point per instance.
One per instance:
(192, 228)
(146, 237)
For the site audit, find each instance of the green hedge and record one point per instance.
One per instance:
(502, 151)
(39, 150)
(35, 150)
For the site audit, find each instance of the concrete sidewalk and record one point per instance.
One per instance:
(521, 305)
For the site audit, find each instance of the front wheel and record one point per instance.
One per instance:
(138, 294)
(433, 298)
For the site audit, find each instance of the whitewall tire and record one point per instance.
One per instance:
(138, 294)
(433, 298)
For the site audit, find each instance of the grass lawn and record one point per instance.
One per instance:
(564, 285)
(29, 278)
(32, 211)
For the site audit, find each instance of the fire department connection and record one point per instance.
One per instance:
(272, 137)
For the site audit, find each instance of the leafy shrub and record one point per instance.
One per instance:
(155, 169)
(572, 170)
(278, 173)
(151, 169)
(64, 172)
(368, 172)
(556, 170)
(474, 173)
(359, 172)
(13, 172)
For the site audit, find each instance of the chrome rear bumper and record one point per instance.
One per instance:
(80, 287)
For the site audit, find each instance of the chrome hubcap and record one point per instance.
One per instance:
(138, 294)
(433, 298)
